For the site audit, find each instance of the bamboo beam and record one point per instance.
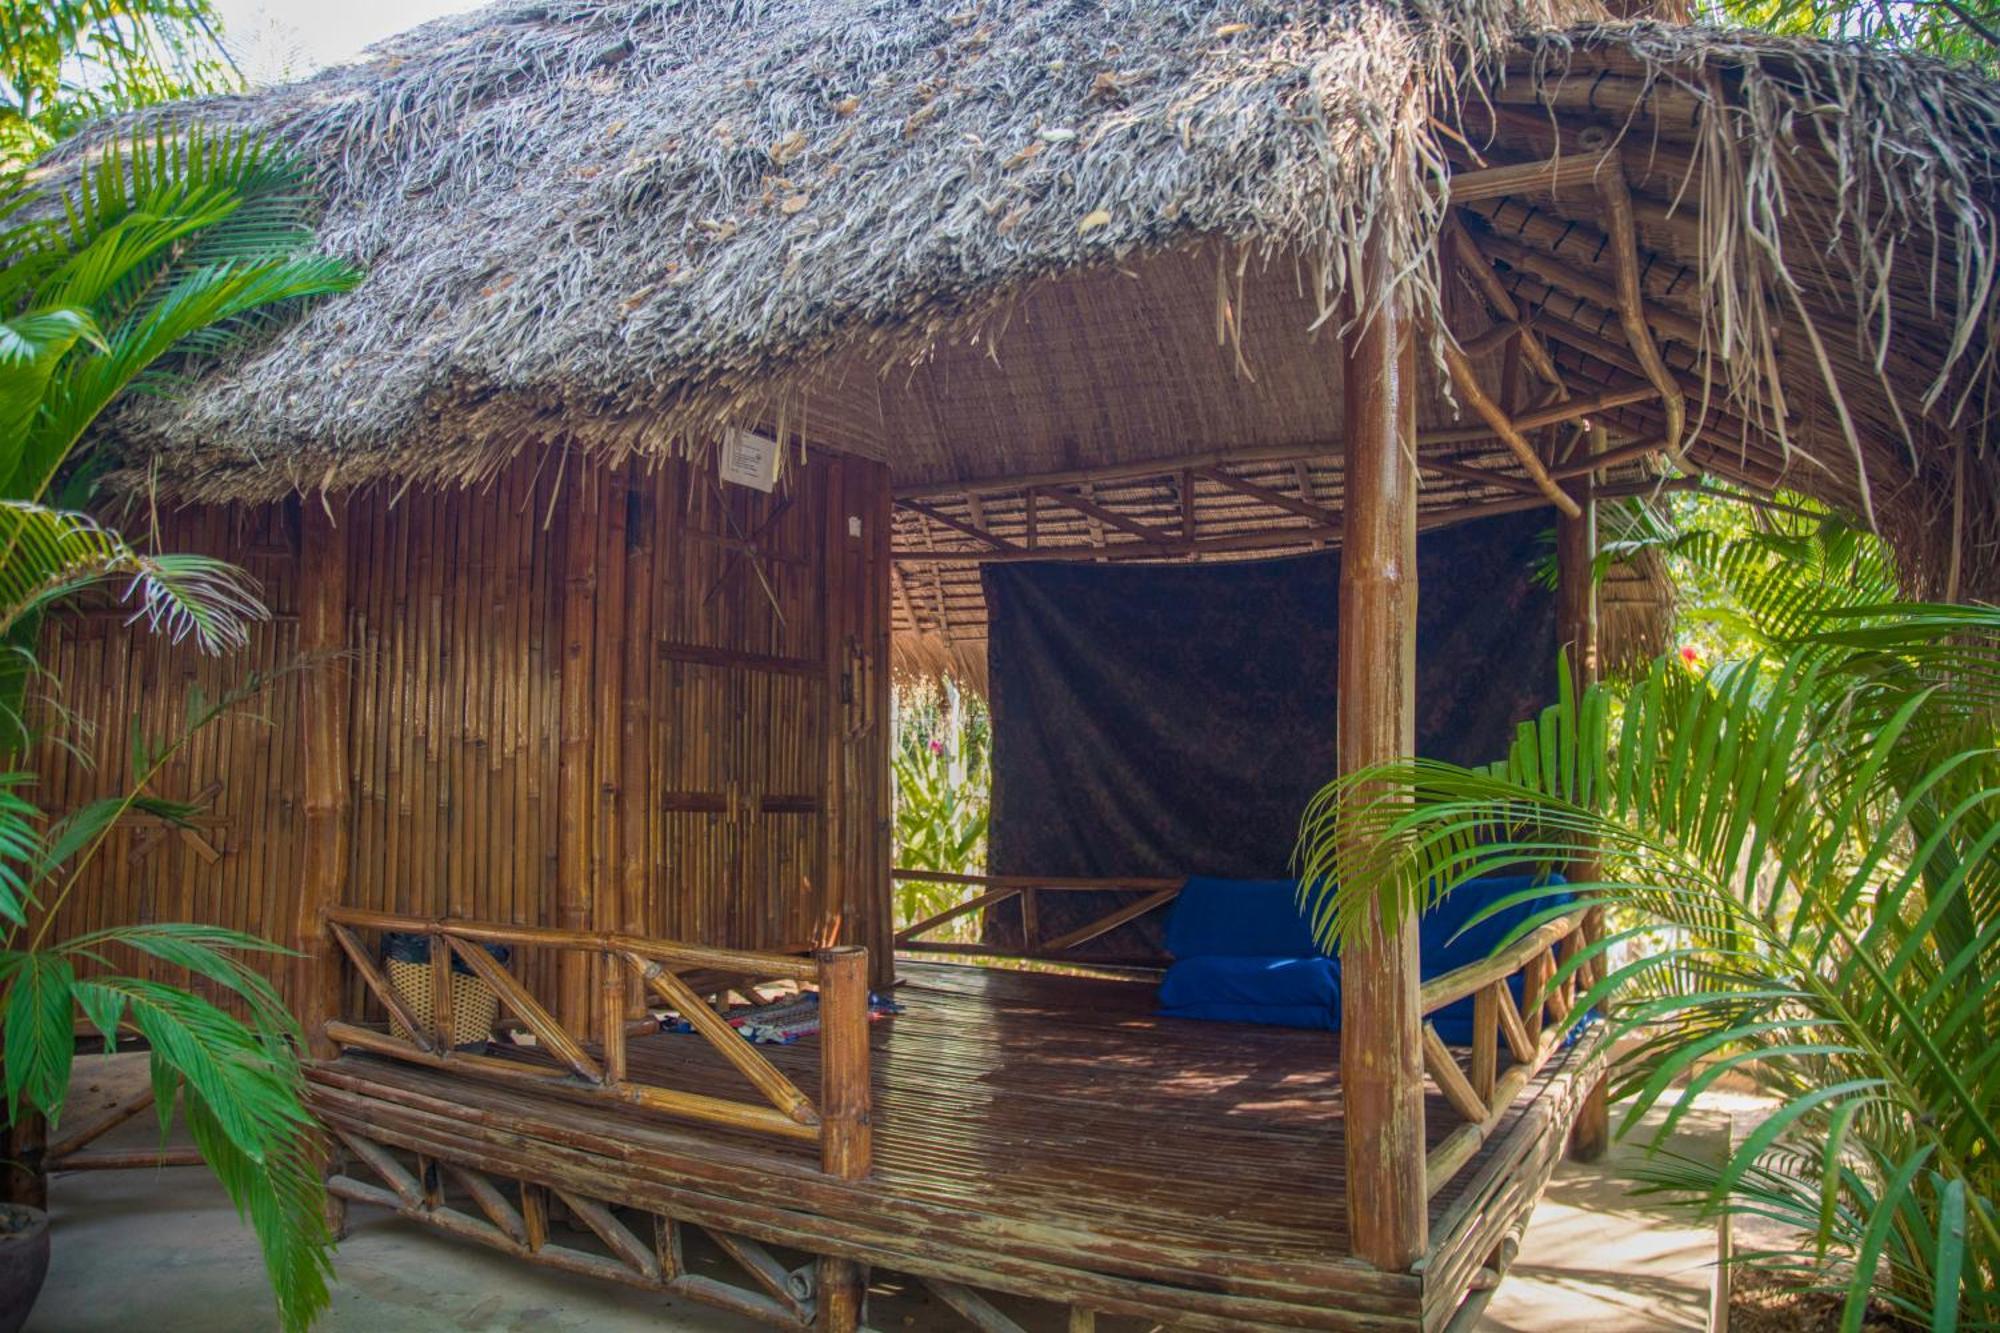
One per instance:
(1619, 223)
(550, 1032)
(1104, 925)
(1572, 278)
(1462, 249)
(763, 1075)
(1481, 476)
(990, 898)
(1110, 518)
(1569, 171)
(1381, 1053)
(1466, 383)
(974, 531)
(383, 990)
(1076, 883)
(1276, 499)
(323, 713)
(1449, 987)
(1485, 1066)
(737, 962)
(975, 1309)
(90, 1133)
(1596, 464)
(128, 1159)
(1025, 483)
(1451, 1080)
(1571, 409)
(549, 1078)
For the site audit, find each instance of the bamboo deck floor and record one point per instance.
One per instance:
(1026, 1125)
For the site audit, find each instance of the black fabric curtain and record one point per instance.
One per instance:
(1175, 720)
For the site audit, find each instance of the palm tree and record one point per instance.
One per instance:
(167, 251)
(65, 62)
(1801, 849)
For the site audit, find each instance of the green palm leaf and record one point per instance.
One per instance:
(1805, 847)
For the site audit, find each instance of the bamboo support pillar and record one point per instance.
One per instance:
(574, 776)
(1381, 1055)
(328, 799)
(634, 746)
(846, 1143)
(1577, 630)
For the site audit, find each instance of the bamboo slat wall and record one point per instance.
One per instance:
(599, 698)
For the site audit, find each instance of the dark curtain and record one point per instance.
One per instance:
(1175, 720)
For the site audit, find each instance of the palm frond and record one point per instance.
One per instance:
(1806, 846)
(47, 554)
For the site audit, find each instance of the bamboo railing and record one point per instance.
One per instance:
(1531, 1031)
(993, 890)
(838, 1121)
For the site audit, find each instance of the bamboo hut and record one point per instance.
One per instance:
(1154, 282)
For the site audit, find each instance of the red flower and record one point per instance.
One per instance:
(1690, 654)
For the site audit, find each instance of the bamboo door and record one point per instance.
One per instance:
(740, 703)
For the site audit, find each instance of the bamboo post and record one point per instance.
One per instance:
(607, 732)
(611, 1011)
(846, 1145)
(634, 749)
(1577, 626)
(441, 1015)
(842, 1288)
(1381, 1054)
(575, 798)
(328, 802)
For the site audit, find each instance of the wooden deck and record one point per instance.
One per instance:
(1040, 1135)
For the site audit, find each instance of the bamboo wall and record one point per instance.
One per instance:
(606, 698)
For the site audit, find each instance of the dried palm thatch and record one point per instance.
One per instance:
(1046, 239)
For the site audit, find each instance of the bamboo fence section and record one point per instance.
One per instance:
(998, 890)
(1479, 1091)
(838, 1121)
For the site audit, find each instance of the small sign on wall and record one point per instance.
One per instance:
(749, 459)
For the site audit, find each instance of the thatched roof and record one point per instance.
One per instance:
(1012, 240)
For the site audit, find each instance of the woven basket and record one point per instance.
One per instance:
(474, 1005)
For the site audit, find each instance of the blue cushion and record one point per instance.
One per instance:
(1316, 1016)
(1239, 918)
(1279, 981)
(1245, 954)
(1445, 942)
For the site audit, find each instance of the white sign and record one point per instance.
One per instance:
(749, 460)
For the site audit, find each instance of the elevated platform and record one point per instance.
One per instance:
(1035, 1135)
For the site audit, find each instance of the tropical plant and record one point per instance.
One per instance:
(65, 62)
(166, 252)
(237, 1080)
(1800, 851)
(943, 794)
(1966, 30)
